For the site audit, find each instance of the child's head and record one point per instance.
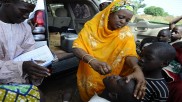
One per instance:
(16, 10)
(147, 41)
(164, 35)
(176, 30)
(119, 90)
(156, 56)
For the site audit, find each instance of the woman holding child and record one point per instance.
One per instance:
(106, 46)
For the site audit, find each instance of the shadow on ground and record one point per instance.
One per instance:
(61, 84)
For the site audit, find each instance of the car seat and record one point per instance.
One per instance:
(61, 19)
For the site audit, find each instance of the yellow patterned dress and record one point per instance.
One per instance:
(105, 45)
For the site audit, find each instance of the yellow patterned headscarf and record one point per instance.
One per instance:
(121, 5)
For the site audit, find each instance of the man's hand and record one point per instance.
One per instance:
(101, 67)
(34, 70)
(141, 83)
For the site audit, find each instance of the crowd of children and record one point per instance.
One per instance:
(160, 59)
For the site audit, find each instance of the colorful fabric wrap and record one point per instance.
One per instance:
(19, 93)
(120, 6)
(172, 72)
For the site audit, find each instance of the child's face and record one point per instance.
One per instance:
(112, 83)
(178, 31)
(149, 60)
(163, 37)
(119, 90)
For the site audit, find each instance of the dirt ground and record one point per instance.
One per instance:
(59, 85)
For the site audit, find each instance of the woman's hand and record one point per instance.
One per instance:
(34, 70)
(140, 87)
(101, 67)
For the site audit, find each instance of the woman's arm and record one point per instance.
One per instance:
(132, 62)
(99, 66)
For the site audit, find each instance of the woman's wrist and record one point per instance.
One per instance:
(136, 67)
(91, 60)
(84, 56)
(88, 58)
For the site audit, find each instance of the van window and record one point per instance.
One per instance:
(53, 8)
(81, 10)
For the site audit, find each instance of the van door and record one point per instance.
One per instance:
(82, 11)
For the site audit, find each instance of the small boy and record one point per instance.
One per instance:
(116, 90)
(145, 42)
(176, 30)
(154, 58)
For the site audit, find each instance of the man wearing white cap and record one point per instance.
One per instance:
(16, 39)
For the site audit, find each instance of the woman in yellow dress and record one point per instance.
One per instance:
(106, 46)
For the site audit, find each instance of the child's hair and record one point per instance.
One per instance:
(126, 95)
(117, 90)
(165, 51)
(164, 33)
(148, 40)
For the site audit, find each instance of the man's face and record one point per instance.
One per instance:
(119, 19)
(19, 11)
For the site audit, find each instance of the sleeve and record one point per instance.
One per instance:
(10, 71)
(29, 43)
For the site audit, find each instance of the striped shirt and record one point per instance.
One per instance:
(157, 90)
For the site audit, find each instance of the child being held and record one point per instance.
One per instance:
(154, 57)
(116, 90)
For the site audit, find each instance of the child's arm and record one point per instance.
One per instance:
(173, 22)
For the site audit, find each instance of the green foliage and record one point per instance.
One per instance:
(155, 11)
(137, 5)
